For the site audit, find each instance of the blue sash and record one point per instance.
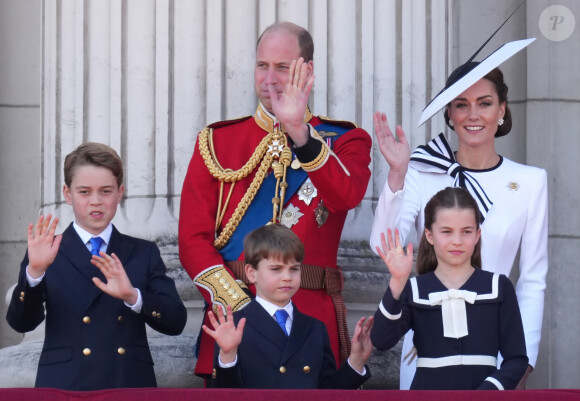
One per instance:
(260, 210)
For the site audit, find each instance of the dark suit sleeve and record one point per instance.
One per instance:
(345, 378)
(26, 309)
(227, 377)
(162, 308)
(392, 320)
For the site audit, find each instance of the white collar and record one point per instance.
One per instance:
(272, 308)
(86, 236)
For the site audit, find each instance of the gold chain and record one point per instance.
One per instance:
(275, 139)
(226, 175)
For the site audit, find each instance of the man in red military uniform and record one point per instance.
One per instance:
(281, 165)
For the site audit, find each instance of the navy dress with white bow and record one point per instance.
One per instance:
(458, 333)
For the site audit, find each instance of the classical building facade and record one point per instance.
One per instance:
(144, 76)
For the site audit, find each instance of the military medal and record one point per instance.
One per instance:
(307, 192)
(290, 216)
(295, 164)
(321, 214)
(276, 147)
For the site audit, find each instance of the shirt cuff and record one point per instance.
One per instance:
(227, 365)
(33, 282)
(364, 371)
(397, 194)
(138, 304)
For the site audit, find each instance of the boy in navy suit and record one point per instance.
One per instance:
(274, 345)
(96, 306)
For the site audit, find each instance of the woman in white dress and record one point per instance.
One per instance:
(512, 197)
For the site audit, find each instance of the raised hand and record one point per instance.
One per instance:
(290, 107)
(399, 264)
(225, 333)
(118, 284)
(361, 345)
(42, 245)
(396, 152)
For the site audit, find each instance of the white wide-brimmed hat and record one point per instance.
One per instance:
(471, 71)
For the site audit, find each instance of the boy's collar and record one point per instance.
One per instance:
(272, 308)
(86, 236)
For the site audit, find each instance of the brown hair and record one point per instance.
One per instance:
(93, 154)
(495, 76)
(272, 240)
(305, 41)
(446, 199)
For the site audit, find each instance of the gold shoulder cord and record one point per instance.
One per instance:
(270, 147)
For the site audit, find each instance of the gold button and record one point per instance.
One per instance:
(120, 319)
(154, 314)
(282, 369)
(86, 320)
(222, 280)
(214, 373)
(158, 315)
(235, 296)
(21, 299)
(226, 286)
(87, 352)
(217, 275)
(306, 369)
(121, 351)
(22, 294)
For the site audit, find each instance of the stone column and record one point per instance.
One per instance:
(19, 141)
(553, 118)
(144, 76)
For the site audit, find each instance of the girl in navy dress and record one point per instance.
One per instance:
(462, 315)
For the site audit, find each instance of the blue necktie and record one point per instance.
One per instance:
(281, 315)
(96, 243)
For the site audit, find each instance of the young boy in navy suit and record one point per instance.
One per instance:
(96, 306)
(274, 345)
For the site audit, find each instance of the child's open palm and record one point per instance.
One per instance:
(118, 284)
(42, 245)
(225, 333)
(399, 264)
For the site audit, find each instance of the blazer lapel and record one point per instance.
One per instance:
(264, 324)
(79, 256)
(301, 327)
(120, 246)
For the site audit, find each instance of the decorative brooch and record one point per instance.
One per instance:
(307, 192)
(513, 186)
(321, 214)
(290, 215)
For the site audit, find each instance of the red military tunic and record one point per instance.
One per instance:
(340, 177)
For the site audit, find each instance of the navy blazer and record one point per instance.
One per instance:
(269, 359)
(92, 340)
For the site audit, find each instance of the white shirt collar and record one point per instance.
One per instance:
(271, 308)
(86, 236)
